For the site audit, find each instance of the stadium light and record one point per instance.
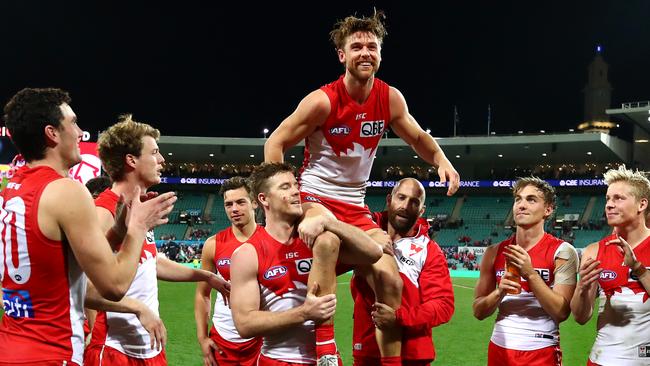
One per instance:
(428, 130)
(293, 156)
(265, 131)
(542, 131)
(543, 154)
(170, 154)
(211, 154)
(415, 156)
(252, 155)
(500, 155)
(571, 130)
(588, 152)
(457, 156)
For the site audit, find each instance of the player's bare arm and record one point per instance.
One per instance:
(168, 270)
(487, 295)
(407, 128)
(250, 321)
(582, 302)
(554, 301)
(311, 112)
(149, 320)
(202, 302)
(67, 213)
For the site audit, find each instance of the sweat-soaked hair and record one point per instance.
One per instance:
(26, 115)
(352, 24)
(261, 174)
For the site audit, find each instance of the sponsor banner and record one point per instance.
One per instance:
(478, 251)
(425, 183)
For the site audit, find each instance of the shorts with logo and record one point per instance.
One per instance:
(350, 214)
(230, 353)
(101, 355)
(547, 356)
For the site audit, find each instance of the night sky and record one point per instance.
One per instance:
(209, 69)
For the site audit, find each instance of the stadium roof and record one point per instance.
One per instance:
(484, 150)
(635, 112)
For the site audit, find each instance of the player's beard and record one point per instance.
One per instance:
(401, 224)
(363, 76)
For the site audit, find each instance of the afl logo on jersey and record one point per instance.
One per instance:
(223, 262)
(150, 237)
(340, 130)
(275, 272)
(608, 275)
(372, 128)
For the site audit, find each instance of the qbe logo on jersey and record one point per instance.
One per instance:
(17, 303)
(372, 128)
(303, 266)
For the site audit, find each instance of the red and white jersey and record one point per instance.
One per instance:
(123, 331)
(427, 297)
(623, 336)
(225, 244)
(43, 287)
(340, 153)
(282, 273)
(522, 324)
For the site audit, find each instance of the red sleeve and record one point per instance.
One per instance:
(436, 295)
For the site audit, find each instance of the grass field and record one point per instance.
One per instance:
(462, 341)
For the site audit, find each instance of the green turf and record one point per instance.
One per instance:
(463, 341)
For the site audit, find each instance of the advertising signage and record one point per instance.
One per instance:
(586, 182)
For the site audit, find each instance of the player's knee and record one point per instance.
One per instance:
(326, 244)
(387, 278)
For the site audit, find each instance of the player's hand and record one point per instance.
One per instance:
(123, 209)
(447, 173)
(208, 347)
(520, 258)
(507, 285)
(154, 325)
(152, 212)
(588, 275)
(310, 227)
(385, 243)
(318, 308)
(625, 249)
(383, 316)
(218, 283)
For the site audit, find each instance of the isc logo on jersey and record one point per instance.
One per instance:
(608, 275)
(372, 128)
(275, 272)
(223, 262)
(340, 130)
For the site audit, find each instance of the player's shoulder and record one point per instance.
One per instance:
(492, 249)
(591, 250)
(64, 193)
